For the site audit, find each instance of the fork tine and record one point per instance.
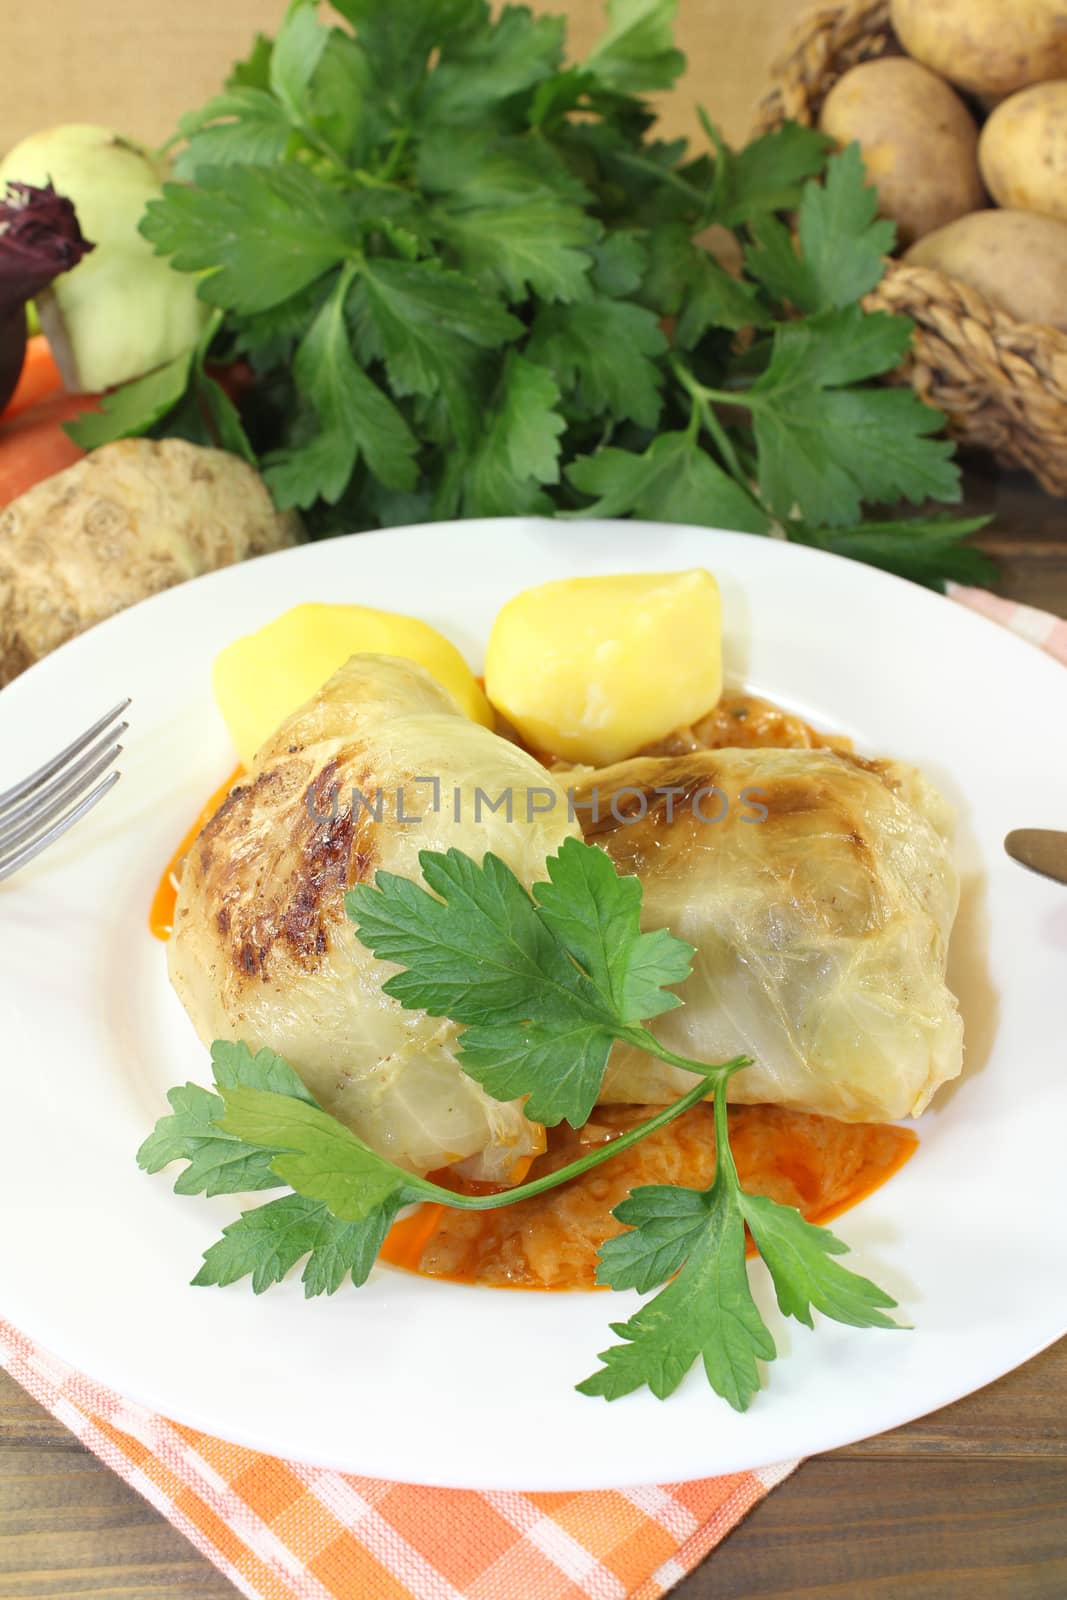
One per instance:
(55, 800)
(10, 797)
(81, 773)
(10, 864)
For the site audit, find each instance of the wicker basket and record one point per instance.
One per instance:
(1001, 383)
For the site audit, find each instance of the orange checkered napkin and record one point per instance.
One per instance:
(283, 1531)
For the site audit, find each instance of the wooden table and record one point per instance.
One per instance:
(968, 1504)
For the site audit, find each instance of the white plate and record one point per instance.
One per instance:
(440, 1383)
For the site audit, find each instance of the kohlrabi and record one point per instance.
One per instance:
(122, 311)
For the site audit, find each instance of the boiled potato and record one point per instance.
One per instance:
(919, 142)
(261, 679)
(986, 46)
(1017, 259)
(1023, 150)
(592, 669)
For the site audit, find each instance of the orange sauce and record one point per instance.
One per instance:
(820, 1165)
(161, 913)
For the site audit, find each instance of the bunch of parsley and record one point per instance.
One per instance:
(469, 282)
(543, 982)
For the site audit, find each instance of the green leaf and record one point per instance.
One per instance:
(663, 1223)
(241, 125)
(479, 69)
(620, 261)
(513, 219)
(841, 347)
(474, 947)
(824, 450)
(133, 408)
(799, 1257)
(315, 1154)
(842, 245)
(399, 39)
(268, 1241)
(225, 419)
(637, 52)
(602, 354)
(926, 549)
(542, 985)
(428, 325)
(771, 173)
(685, 281)
(254, 71)
(297, 52)
(564, 1058)
(674, 480)
(707, 1313)
(234, 1066)
(534, 243)
(340, 104)
(260, 234)
(556, 97)
(519, 448)
(472, 943)
(596, 915)
(219, 1163)
(355, 419)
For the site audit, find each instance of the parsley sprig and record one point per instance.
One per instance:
(544, 982)
(469, 281)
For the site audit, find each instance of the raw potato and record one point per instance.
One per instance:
(986, 46)
(1023, 150)
(919, 142)
(132, 518)
(1016, 259)
(264, 677)
(593, 669)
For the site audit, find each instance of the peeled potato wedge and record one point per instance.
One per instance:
(260, 679)
(593, 669)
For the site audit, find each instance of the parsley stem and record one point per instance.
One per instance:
(665, 175)
(395, 156)
(703, 409)
(646, 1040)
(526, 1191)
(725, 1166)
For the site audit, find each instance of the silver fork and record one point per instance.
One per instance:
(40, 809)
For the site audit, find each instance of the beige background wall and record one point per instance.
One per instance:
(136, 64)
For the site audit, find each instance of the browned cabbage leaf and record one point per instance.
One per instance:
(262, 949)
(821, 931)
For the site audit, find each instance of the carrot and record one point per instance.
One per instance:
(38, 379)
(33, 445)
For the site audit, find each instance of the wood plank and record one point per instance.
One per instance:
(1022, 1417)
(72, 1530)
(846, 1529)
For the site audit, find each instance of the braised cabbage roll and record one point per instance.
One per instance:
(820, 904)
(262, 950)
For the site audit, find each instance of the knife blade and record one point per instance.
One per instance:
(1043, 850)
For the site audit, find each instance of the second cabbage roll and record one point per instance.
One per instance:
(820, 903)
